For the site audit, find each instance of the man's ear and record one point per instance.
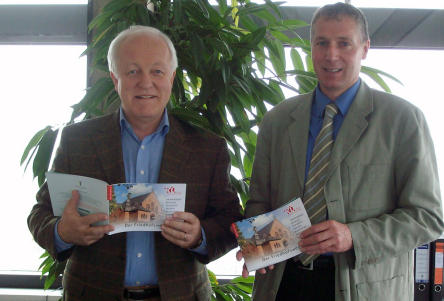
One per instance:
(366, 48)
(172, 77)
(114, 79)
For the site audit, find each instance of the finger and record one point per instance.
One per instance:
(239, 255)
(94, 218)
(262, 271)
(245, 272)
(314, 239)
(178, 225)
(187, 217)
(178, 234)
(174, 240)
(314, 229)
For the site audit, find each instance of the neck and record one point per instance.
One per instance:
(144, 127)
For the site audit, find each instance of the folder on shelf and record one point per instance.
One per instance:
(422, 273)
(437, 269)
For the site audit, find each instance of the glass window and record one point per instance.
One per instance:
(39, 84)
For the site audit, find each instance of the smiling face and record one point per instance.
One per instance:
(337, 51)
(144, 79)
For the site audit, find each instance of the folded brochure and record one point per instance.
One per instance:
(130, 206)
(271, 237)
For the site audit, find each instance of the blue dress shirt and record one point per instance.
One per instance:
(142, 164)
(343, 103)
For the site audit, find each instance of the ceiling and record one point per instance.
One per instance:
(67, 24)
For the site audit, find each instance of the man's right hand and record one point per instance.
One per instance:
(78, 230)
(245, 272)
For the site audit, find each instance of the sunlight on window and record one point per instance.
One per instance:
(38, 2)
(39, 84)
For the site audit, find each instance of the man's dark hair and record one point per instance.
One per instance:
(338, 10)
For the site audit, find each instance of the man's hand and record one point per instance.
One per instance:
(245, 272)
(327, 236)
(78, 230)
(182, 229)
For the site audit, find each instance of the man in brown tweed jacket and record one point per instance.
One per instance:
(141, 143)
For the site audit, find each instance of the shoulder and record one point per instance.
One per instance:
(101, 123)
(192, 135)
(394, 106)
(283, 113)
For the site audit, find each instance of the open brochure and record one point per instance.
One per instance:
(130, 206)
(271, 237)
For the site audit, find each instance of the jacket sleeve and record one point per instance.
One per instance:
(222, 208)
(260, 185)
(417, 214)
(41, 220)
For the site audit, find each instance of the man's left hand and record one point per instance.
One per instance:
(327, 236)
(182, 229)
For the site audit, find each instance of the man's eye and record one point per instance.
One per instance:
(158, 71)
(322, 43)
(344, 44)
(131, 72)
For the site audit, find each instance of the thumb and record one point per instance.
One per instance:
(73, 202)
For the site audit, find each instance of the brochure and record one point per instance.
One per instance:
(130, 206)
(271, 237)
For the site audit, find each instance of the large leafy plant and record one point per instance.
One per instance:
(232, 68)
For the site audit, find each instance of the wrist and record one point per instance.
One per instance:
(198, 243)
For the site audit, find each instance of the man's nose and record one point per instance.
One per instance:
(332, 52)
(145, 80)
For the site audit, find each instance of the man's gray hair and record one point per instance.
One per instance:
(137, 30)
(338, 10)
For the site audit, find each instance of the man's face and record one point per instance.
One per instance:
(144, 78)
(337, 51)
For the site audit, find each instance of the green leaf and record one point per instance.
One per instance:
(255, 37)
(365, 69)
(277, 57)
(296, 59)
(43, 155)
(33, 143)
(373, 75)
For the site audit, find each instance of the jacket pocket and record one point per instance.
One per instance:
(388, 290)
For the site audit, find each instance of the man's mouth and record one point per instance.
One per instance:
(145, 96)
(333, 70)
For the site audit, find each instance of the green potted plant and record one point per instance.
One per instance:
(232, 65)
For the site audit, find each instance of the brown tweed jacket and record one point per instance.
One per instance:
(199, 159)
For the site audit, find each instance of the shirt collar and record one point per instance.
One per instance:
(343, 102)
(162, 128)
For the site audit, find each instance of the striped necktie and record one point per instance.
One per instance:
(314, 200)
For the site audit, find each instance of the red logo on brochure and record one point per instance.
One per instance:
(290, 210)
(109, 192)
(170, 190)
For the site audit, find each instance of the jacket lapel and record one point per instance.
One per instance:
(354, 125)
(298, 132)
(108, 144)
(175, 153)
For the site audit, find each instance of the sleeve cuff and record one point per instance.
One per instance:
(60, 245)
(202, 248)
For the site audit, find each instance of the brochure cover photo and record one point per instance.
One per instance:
(130, 206)
(142, 206)
(271, 237)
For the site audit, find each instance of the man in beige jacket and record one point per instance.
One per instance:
(381, 190)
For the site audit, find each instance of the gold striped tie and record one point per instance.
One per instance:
(314, 200)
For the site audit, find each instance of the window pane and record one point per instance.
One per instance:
(39, 84)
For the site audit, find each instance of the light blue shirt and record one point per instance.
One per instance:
(142, 159)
